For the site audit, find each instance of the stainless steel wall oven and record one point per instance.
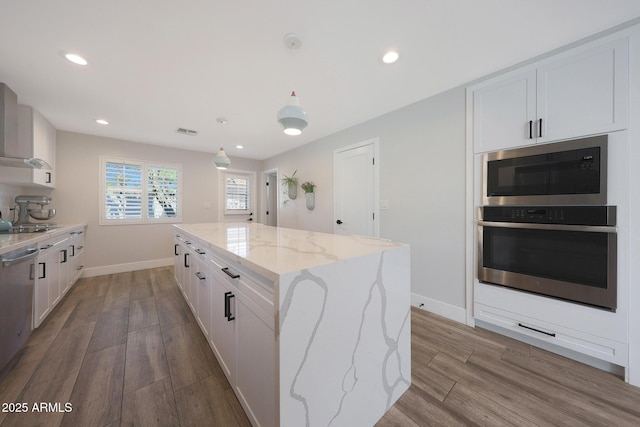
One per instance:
(566, 252)
(544, 226)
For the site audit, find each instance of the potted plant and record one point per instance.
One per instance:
(308, 186)
(309, 194)
(290, 183)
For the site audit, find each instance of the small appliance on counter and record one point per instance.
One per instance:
(26, 210)
(5, 226)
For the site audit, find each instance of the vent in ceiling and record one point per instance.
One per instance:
(186, 131)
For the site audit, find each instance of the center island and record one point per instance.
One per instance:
(311, 329)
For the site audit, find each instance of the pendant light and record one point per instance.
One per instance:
(292, 117)
(221, 160)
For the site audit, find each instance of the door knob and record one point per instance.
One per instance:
(339, 222)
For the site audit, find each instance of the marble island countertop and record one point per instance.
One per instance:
(10, 242)
(273, 251)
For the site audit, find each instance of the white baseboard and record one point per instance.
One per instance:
(121, 268)
(440, 308)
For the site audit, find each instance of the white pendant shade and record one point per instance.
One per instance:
(222, 161)
(291, 117)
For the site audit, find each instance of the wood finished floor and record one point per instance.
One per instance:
(125, 350)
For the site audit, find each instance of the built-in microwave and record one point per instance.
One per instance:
(563, 173)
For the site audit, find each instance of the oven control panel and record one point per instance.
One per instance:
(577, 215)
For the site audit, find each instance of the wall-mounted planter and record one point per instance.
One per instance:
(290, 184)
(311, 200)
(292, 190)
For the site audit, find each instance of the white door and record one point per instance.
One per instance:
(270, 198)
(356, 190)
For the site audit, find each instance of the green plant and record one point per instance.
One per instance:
(308, 186)
(290, 184)
(288, 181)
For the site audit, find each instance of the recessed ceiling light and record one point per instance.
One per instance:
(239, 147)
(390, 57)
(102, 122)
(76, 59)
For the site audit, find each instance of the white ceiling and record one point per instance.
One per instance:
(156, 65)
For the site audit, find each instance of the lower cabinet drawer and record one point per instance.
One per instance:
(600, 348)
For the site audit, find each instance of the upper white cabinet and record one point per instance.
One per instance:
(580, 92)
(36, 138)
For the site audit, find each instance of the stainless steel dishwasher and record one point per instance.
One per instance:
(16, 300)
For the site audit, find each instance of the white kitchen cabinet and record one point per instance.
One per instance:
(597, 333)
(235, 314)
(36, 138)
(49, 277)
(279, 311)
(178, 261)
(223, 326)
(580, 92)
(203, 280)
(243, 338)
(75, 253)
(504, 110)
(255, 361)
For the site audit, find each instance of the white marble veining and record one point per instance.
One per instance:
(342, 318)
(348, 347)
(272, 251)
(10, 242)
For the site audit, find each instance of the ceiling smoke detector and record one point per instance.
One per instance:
(186, 131)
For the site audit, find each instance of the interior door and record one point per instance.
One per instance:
(271, 199)
(355, 190)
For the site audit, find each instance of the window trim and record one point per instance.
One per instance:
(251, 176)
(145, 165)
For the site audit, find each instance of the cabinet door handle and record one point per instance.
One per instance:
(64, 256)
(231, 273)
(175, 249)
(48, 181)
(530, 129)
(540, 129)
(44, 270)
(46, 247)
(200, 251)
(200, 275)
(227, 306)
(186, 260)
(73, 250)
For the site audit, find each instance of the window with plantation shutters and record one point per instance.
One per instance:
(136, 192)
(237, 193)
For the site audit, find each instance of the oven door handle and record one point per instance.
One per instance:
(551, 227)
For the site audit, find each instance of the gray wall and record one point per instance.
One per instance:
(422, 175)
(77, 191)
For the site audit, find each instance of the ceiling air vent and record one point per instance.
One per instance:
(186, 131)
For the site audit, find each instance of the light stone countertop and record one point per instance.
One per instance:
(273, 251)
(10, 242)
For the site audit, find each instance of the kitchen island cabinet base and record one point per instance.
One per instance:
(324, 343)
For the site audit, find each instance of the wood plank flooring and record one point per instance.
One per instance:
(125, 350)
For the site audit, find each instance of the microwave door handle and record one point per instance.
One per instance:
(550, 227)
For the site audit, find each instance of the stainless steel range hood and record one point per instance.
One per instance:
(9, 134)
